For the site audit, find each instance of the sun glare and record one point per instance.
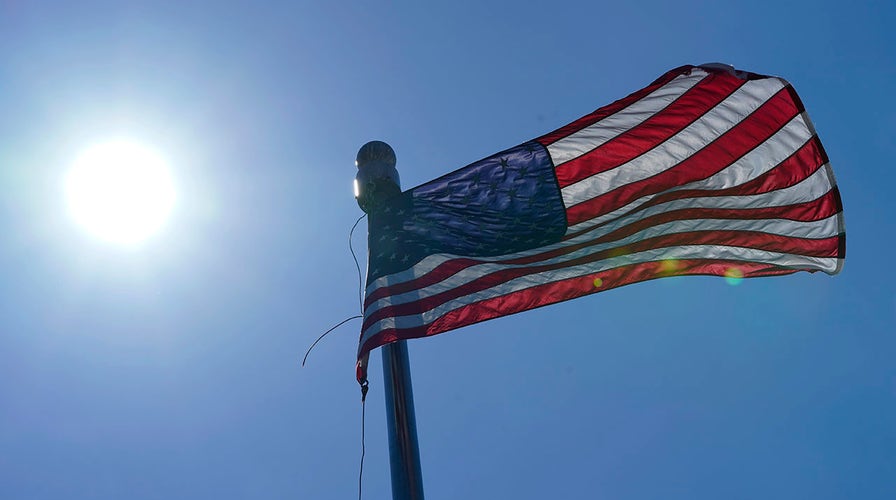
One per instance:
(120, 191)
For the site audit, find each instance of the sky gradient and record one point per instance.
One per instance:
(171, 370)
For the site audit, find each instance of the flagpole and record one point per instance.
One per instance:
(404, 453)
(377, 180)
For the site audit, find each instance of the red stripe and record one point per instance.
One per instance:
(793, 170)
(559, 291)
(439, 273)
(714, 157)
(601, 113)
(814, 210)
(643, 137)
(827, 247)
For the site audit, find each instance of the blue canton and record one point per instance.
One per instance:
(506, 203)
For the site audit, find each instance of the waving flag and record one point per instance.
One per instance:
(707, 171)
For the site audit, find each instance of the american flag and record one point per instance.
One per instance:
(707, 171)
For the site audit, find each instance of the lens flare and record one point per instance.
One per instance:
(669, 266)
(733, 276)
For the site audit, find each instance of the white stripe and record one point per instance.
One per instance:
(582, 141)
(824, 228)
(761, 159)
(748, 167)
(679, 147)
(810, 188)
(826, 264)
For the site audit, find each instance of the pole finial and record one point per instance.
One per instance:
(377, 179)
(375, 151)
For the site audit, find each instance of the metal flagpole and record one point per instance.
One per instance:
(407, 478)
(377, 180)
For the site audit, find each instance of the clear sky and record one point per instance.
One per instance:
(171, 369)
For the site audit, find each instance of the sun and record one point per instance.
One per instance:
(120, 191)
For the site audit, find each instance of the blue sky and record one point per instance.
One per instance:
(171, 370)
